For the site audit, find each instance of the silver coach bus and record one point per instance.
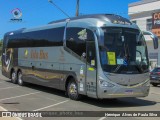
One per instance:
(100, 56)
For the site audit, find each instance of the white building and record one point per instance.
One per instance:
(146, 14)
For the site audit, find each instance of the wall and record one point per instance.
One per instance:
(140, 12)
(144, 7)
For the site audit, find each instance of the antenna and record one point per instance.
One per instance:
(77, 8)
(58, 8)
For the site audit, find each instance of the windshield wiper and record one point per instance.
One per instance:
(139, 67)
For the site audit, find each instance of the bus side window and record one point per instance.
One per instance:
(74, 42)
(78, 39)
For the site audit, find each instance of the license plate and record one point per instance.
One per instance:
(153, 77)
(129, 92)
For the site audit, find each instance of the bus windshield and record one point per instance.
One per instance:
(124, 51)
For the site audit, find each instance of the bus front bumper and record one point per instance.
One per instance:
(119, 92)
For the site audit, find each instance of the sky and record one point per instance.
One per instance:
(40, 12)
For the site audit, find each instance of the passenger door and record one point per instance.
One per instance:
(91, 67)
(80, 43)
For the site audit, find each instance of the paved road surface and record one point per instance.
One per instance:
(34, 97)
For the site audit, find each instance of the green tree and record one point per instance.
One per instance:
(0, 42)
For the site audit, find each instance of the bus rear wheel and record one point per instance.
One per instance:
(14, 77)
(20, 81)
(72, 90)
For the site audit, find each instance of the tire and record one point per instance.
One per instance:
(14, 77)
(154, 84)
(72, 90)
(19, 79)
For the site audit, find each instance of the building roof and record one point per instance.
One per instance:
(142, 2)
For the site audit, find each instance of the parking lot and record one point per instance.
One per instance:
(38, 98)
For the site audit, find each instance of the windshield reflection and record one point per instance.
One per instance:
(124, 51)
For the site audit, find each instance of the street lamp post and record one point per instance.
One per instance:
(77, 8)
(58, 8)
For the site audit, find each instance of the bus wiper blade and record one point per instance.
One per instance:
(117, 68)
(140, 70)
(139, 67)
(124, 63)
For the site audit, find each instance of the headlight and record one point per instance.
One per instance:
(105, 84)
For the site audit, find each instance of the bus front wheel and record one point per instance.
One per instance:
(72, 90)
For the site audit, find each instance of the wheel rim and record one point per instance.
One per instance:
(20, 78)
(73, 89)
(13, 76)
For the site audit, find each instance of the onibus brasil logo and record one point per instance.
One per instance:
(17, 15)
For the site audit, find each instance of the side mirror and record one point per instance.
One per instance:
(154, 37)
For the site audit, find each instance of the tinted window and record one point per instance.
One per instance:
(91, 53)
(124, 51)
(76, 40)
(42, 38)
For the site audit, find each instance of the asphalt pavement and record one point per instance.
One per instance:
(38, 98)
